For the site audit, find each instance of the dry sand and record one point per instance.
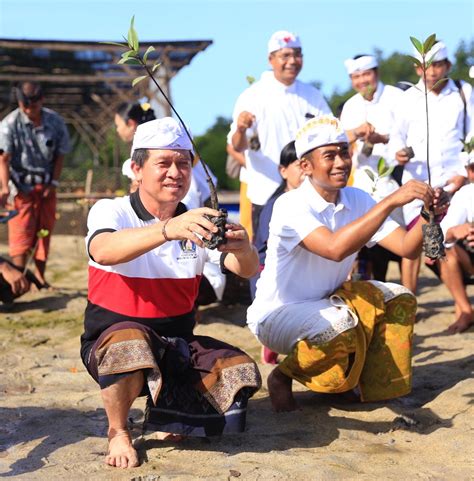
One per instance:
(52, 424)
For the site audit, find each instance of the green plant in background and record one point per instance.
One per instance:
(383, 170)
(133, 56)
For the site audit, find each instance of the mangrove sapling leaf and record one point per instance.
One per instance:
(250, 79)
(370, 174)
(148, 51)
(138, 80)
(133, 57)
(418, 45)
(437, 83)
(429, 42)
(416, 62)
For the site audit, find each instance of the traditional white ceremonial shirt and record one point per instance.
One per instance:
(379, 112)
(461, 209)
(292, 274)
(446, 118)
(280, 111)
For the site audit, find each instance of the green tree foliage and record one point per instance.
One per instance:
(463, 58)
(212, 146)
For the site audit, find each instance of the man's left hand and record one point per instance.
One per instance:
(237, 240)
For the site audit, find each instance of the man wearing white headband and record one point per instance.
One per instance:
(450, 106)
(367, 118)
(267, 115)
(146, 261)
(303, 306)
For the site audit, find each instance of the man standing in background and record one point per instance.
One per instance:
(34, 141)
(450, 106)
(268, 114)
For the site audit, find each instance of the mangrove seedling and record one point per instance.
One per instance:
(133, 56)
(383, 170)
(433, 239)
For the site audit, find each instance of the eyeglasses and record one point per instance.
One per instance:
(286, 56)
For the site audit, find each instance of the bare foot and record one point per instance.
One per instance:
(121, 452)
(281, 395)
(172, 437)
(463, 322)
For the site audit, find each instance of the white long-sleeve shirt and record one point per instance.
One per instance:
(379, 112)
(446, 119)
(280, 111)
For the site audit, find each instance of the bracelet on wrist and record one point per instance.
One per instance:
(55, 183)
(163, 230)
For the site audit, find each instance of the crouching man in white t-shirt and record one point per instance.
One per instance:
(338, 335)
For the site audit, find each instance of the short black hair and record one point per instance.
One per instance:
(140, 156)
(288, 154)
(134, 111)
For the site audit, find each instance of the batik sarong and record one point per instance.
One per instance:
(196, 386)
(374, 356)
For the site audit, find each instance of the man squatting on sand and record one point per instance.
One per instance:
(337, 335)
(146, 261)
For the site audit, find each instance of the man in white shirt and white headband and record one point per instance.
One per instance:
(268, 114)
(450, 117)
(367, 118)
(338, 335)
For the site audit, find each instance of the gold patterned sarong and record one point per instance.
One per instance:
(374, 356)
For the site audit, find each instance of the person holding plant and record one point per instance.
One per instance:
(337, 335)
(367, 118)
(34, 140)
(267, 115)
(146, 260)
(450, 107)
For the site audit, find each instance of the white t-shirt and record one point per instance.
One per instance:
(461, 209)
(379, 112)
(292, 274)
(280, 111)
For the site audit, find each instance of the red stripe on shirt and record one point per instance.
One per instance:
(140, 297)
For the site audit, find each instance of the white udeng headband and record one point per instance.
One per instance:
(360, 64)
(437, 53)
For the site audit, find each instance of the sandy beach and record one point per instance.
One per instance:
(53, 426)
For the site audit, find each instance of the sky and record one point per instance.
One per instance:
(330, 31)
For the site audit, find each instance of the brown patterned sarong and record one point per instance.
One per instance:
(197, 386)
